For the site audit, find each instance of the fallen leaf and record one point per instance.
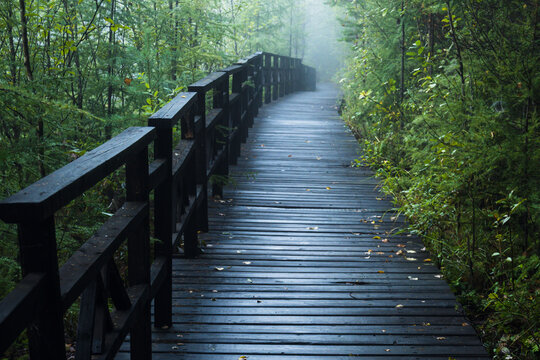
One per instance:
(247, 263)
(318, 158)
(381, 271)
(427, 260)
(376, 237)
(438, 276)
(464, 324)
(399, 252)
(313, 228)
(214, 291)
(262, 145)
(441, 338)
(219, 268)
(328, 188)
(413, 278)
(401, 245)
(383, 330)
(387, 350)
(308, 189)
(243, 357)
(399, 305)
(411, 252)
(410, 259)
(249, 280)
(384, 240)
(290, 156)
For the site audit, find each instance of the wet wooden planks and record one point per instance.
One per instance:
(303, 260)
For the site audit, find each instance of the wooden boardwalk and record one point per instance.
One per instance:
(300, 261)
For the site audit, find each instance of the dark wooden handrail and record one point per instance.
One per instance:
(212, 131)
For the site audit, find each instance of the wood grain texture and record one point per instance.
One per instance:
(303, 260)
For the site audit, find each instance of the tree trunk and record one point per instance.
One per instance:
(461, 70)
(110, 71)
(402, 81)
(12, 50)
(24, 36)
(431, 41)
(30, 76)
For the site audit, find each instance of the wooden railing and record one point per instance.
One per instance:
(179, 176)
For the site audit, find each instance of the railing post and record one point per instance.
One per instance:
(275, 77)
(236, 116)
(186, 186)
(201, 176)
(287, 75)
(282, 78)
(37, 244)
(137, 186)
(259, 82)
(250, 103)
(221, 100)
(267, 78)
(244, 99)
(296, 77)
(164, 227)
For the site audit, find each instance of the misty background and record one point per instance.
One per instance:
(323, 48)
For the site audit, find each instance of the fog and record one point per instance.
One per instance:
(323, 48)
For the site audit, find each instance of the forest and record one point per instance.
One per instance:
(441, 94)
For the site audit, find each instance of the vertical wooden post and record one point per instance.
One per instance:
(221, 100)
(287, 71)
(236, 116)
(267, 78)
(201, 175)
(244, 120)
(259, 82)
(188, 183)
(275, 77)
(137, 185)
(164, 227)
(296, 78)
(251, 100)
(282, 77)
(37, 244)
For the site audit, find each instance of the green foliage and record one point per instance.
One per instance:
(458, 144)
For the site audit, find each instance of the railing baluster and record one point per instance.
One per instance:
(275, 77)
(164, 227)
(267, 78)
(37, 244)
(139, 254)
